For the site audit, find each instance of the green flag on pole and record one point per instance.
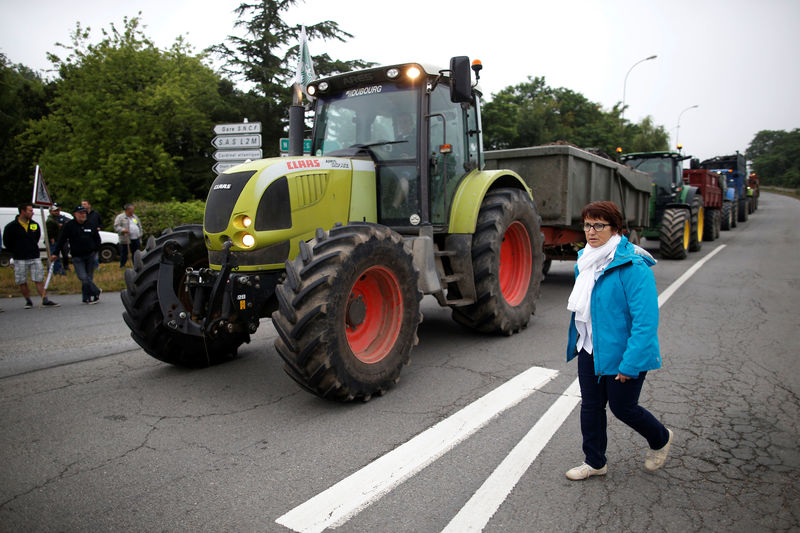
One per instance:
(305, 67)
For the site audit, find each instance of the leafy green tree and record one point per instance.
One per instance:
(532, 113)
(267, 57)
(128, 121)
(23, 98)
(775, 157)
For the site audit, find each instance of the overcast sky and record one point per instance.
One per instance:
(735, 59)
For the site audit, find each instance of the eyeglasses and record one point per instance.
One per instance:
(598, 226)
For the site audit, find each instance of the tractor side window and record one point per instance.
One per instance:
(447, 127)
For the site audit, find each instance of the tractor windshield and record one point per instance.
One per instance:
(661, 169)
(378, 120)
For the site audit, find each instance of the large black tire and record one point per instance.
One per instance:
(725, 218)
(734, 214)
(711, 226)
(348, 312)
(143, 313)
(742, 209)
(675, 233)
(507, 262)
(698, 224)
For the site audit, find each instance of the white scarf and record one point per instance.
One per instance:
(591, 262)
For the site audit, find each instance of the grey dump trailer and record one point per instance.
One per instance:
(564, 179)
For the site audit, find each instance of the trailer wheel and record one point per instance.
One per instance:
(675, 233)
(143, 312)
(743, 212)
(698, 224)
(507, 256)
(725, 217)
(734, 214)
(710, 226)
(348, 312)
(717, 223)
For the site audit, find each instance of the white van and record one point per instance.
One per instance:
(109, 249)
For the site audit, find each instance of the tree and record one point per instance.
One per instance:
(775, 157)
(23, 97)
(267, 57)
(128, 120)
(532, 113)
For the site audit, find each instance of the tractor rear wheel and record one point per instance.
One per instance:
(143, 313)
(698, 224)
(348, 312)
(507, 257)
(675, 234)
(725, 223)
(743, 211)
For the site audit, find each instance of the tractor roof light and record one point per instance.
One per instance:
(311, 90)
(392, 73)
(413, 73)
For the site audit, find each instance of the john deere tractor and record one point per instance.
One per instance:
(677, 213)
(339, 247)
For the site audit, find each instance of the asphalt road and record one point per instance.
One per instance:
(98, 436)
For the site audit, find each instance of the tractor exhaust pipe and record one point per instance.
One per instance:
(296, 129)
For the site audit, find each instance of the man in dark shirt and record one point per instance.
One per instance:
(21, 237)
(84, 241)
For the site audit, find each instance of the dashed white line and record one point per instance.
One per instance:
(349, 496)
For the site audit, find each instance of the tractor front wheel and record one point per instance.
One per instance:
(507, 257)
(143, 313)
(348, 312)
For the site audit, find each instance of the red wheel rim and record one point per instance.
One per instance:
(374, 314)
(516, 262)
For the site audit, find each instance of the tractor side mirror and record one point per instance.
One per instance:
(460, 80)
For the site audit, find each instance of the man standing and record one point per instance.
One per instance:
(130, 234)
(21, 237)
(54, 223)
(92, 216)
(84, 241)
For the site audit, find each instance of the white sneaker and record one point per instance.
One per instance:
(655, 458)
(585, 471)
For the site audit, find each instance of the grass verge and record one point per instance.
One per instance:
(109, 277)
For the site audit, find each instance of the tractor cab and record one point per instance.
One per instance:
(420, 131)
(666, 170)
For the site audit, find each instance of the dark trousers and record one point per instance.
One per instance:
(623, 399)
(123, 251)
(84, 268)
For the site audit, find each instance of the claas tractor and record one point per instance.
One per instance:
(340, 246)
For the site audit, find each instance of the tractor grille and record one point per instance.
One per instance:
(309, 188)
(222, 198)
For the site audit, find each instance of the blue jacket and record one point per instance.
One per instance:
(624, 316)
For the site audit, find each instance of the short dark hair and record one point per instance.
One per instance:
(127, 206)
(23, 207)
(603, 210)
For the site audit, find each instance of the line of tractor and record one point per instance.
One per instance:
(397, 200)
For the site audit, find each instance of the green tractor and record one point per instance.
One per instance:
(676, 209)
(339, 247)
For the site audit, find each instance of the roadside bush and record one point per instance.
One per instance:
(158, 216)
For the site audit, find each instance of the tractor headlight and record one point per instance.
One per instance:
(248, 241)
(242, 221)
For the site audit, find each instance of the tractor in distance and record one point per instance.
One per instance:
(677, 214)
(339, 247)
(734, 169)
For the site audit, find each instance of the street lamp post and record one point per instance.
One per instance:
(624, 93)
(678, 127)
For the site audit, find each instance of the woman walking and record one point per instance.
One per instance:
(614, 334)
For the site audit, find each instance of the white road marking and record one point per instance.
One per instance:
(494, 491)
(337, 504)
(487, 499)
